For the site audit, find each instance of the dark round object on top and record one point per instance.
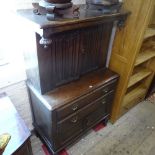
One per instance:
(58, 1)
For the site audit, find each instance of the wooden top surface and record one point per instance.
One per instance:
(86, 16)
(11, 122)
(72, 91)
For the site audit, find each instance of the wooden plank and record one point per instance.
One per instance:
(150, 32)
(126, 134)
(142, 74)
(133, 140)
(148, 146)
(133, 95)
(127, 44)
(152, 21)
(144, 56)
(152, 64)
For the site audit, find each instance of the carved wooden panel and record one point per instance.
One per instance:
(71, 54)
(65, 57)
(95, 47)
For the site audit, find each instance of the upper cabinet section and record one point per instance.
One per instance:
(67, 48)
(86, 18)
(72, 54)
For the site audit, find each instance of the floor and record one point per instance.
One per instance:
(132, 134)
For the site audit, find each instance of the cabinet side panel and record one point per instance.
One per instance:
(31, 59)
(42, 118)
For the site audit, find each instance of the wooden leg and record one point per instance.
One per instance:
(105, 121)
(55, 153)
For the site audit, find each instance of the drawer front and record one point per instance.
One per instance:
(98, 110)
(85, 100)
(69, 128)
(84, 118)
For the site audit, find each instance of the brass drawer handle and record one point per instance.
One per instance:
(83, 51)
(103, 101)
(75, 107)
(74, 119)
(106, 90)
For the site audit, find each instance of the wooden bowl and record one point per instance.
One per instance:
(58, 1)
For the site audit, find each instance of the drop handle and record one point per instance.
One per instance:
(74, 119)
(103, 101)
(74, 107)
(106, 90)
(90, 86)
(83, 51)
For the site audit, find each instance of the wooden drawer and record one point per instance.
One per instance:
(69, 128)
(98, 110)
(84, 118)
(85, 100)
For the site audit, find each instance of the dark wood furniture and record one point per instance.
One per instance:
(64, 114)
(70, 88)
(60, 51)
(11, 122)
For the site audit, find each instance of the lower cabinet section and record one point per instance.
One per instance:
(83, 118)
(100, 110)
(62, 116)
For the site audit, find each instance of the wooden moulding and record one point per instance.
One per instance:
(149, 33)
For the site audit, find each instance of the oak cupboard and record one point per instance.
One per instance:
(70, 88)
(133, 56)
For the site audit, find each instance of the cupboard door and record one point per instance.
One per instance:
(65, 57)
(59, 63)
(95, 42)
